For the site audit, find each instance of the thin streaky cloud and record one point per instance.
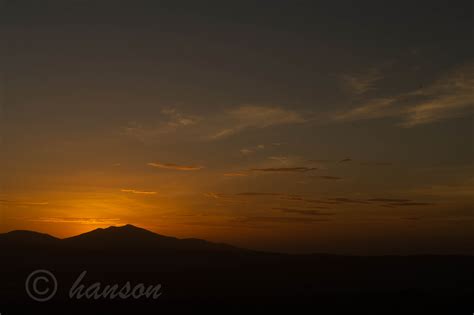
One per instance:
(246, 151)
(281, 220)
(463, 190)
(260, 194)
(320, 161)
(214, 195)
(285, 169)
(389, 200)
(281, 159)
(363, 82)
(410, 204)
(280, 196)
(347, 200)
(138, 192)
(318, 201)
(79, 220)
(367, 163)
(254, 149)
(218, 125)
(372, 109)
(171, 122)
(236, 174)
(304, 212)
(345, 160)
(451, 96)
(376, 163)
(253, 117)
(177, 167)
(24, 203)
(329, 177)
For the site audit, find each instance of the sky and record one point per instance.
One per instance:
(291, 126)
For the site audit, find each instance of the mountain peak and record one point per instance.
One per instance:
(120, 228)
(128, 228)
(118, 235)
(131, 236)
(125, 227)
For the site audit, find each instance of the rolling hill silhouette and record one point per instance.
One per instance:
(200, 274)
(22, 236)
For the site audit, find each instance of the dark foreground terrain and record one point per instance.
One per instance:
(199, 275)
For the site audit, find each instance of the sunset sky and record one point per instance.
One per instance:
(279, 125)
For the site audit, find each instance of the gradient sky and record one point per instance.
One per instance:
(296, 126)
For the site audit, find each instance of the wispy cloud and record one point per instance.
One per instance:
(214, 195)
(279, 196)
(284, 169)
(214, 125)
(329, 177)
(347, 200)
(254, 117)
(398, 202)
(304, 212)
(247, 151)
(281, 159)
(235, 174)
(410, 204)
(78, 220)
(325, 201)
(138, 192)
(172, 121)
(320, 161)
(177, 167)
(452, 95)
(345, 160)
(276, 219)
(23, 203)
(371, 109)
(227, 198)
(462, 190)
(362, 82)
(261, 194)
(365, 163)
(375, 163)
(388, 200)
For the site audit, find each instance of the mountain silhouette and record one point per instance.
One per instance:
(26, 239)
(197, 274)
(132, 237)
(27, 236)
(127, 237)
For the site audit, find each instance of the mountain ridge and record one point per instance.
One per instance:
(133, 237)
(115, 237)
